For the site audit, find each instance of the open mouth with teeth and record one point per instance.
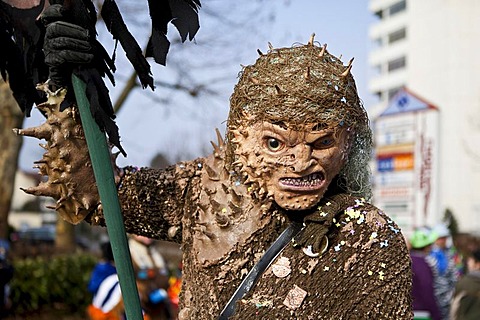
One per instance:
(313, 181)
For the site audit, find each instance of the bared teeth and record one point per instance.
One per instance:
(310, 180)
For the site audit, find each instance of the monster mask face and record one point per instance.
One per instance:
(294, 167)
(296, 123)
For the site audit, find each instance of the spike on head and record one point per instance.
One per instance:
(312, 37)
(270, 47)
(322, 52)
(347, 71)
(260, 53)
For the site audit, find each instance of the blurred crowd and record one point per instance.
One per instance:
(446, 284)
(157, 278)
(158, 284)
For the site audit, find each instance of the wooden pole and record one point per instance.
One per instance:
(103, 170)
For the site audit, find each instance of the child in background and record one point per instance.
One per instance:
(107, 301)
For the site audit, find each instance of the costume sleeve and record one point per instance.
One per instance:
(153, 200)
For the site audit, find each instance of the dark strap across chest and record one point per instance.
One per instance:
(309, 233)
(250, 280)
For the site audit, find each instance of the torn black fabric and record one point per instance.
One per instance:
(21, 58)
(100, 105)
(115, 24)
(184, 16)
(71, 46)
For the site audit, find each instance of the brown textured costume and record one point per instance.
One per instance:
(226, 209)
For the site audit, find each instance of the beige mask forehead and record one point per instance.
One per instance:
(306, 133)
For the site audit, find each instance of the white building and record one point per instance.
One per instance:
(29, 211)
(430, 47)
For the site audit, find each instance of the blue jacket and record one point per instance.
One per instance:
(99, 273)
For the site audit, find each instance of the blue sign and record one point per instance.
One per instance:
(385, 164)
(405, 101)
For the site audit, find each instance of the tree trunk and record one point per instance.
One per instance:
(65, 237)
(10, 145)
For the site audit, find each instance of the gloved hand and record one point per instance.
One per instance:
(68, 48)
(65, 45)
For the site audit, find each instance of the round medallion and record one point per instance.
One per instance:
(282, 268)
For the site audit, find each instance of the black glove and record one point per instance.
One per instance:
(68, 47)
(65, 46)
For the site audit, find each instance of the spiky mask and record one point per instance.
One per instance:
(302, 86)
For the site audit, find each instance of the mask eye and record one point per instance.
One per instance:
(274, 144)
(324, 142)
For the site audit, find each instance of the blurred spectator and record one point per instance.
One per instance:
(424, 303)
(6, 274)
(107, 301)
(466, 299)
(104, 268)
(152, 278)
(444, 257)
(175, 285)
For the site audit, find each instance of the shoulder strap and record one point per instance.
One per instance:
(258, 269)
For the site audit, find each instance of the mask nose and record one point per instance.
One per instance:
(301, 158)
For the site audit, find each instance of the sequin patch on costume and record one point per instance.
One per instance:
(295, 297)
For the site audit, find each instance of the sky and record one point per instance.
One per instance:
(183, 129)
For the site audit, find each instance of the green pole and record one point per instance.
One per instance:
(103, 170)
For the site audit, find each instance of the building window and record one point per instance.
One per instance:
(392, 92)
(396, 64)
(398, 7)
(379, 14)
(397, 35)
(396, 207)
